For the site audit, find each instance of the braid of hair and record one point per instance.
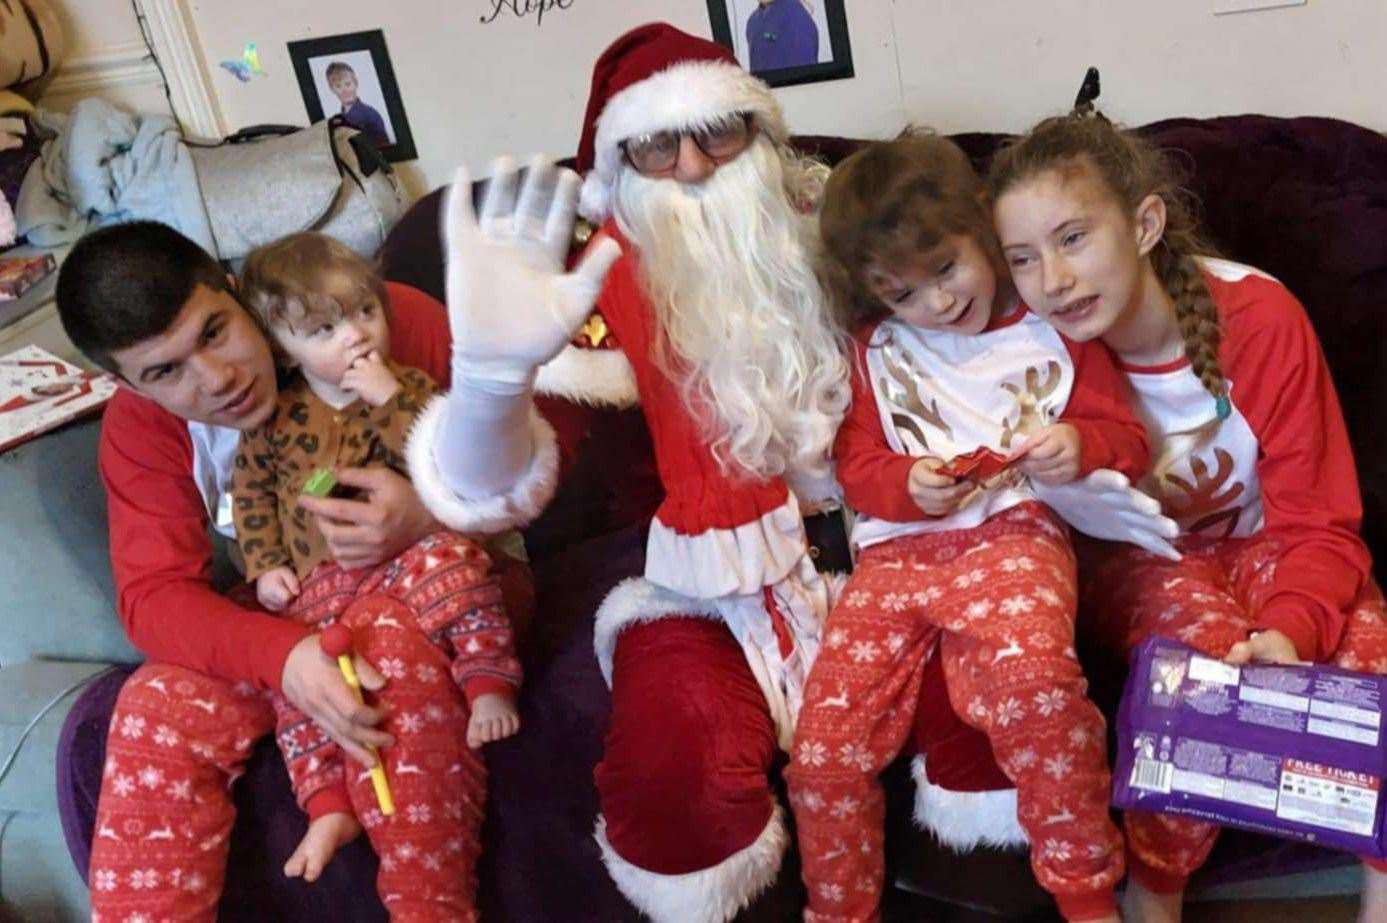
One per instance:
(1197, 316)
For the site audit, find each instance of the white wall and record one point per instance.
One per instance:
(472, 90)
(104, 56)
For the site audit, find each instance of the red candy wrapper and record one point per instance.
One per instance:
(19, 274)
(979, 466)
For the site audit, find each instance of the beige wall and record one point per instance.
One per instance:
(473, 90)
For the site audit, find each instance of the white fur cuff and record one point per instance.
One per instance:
(516, 507)
(635, 601)
(965, 820)
(711, 895)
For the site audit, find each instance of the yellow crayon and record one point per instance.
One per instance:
(382, 785)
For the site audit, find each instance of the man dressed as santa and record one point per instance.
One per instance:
(703, 274)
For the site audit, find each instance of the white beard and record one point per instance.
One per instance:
(728, 267)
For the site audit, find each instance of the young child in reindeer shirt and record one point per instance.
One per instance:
(980, 571)
(347, 405)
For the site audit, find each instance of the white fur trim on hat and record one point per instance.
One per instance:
(711, 895)
(602, 377)
(964, 821)
(684, 94)
(515, 508)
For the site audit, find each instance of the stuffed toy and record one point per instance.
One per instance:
(31, 46)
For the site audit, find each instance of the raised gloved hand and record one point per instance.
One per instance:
(1106, 505)
(510, 304)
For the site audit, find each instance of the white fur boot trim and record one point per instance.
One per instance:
(711, 895)
(965, 820)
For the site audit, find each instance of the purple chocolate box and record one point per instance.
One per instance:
(1296, 752)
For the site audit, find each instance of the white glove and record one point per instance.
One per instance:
(511, 306)
(1106, 505)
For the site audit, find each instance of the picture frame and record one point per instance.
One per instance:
(361, 87)
(773, 39)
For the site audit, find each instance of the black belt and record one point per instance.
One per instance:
(827, 533)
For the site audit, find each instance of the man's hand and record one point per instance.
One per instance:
(1051, 455)
(314, 685)
(1270, 646)
(385, 520)
(510, 304)
(934, 493)
(277, 588)
(372, 379)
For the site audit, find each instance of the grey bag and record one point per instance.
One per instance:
(263, 183)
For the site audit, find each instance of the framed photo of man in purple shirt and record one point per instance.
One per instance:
(785, 42)
(350, 75)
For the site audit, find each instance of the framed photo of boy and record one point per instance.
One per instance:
(350, 75)
(785, 42)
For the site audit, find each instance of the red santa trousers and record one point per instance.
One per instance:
(1209, 601)
(998, 603)
(179, 739)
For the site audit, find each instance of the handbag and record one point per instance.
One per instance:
(267, 181)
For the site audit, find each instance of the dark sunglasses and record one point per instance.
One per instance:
(658, 152)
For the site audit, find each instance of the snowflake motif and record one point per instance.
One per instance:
(388, 863)
(837, 638)
(855, 755)
(1079, 736)
(857, 599)
(1168, 615)
(1048, 703)
(1017, 565)
(1059, 766)
(435, 713)
(132, 726)
(811, 801)
(410, 723)
(181, 790)
(977, 710)
(1016, 605)
(426, 673)
(104, 880)
(123, 785)
(812, 753)
(1046, 595)
(454, 845)
(1059, 850)
(895, 602)
(1023, 759)
(965, 580)
(894, 642)
(372, 818)
(1097, 850)
(165, 736)
(1009, 711)
(151, 777)
(864, 651)
(927, 596)
(144, 878)
(419, 814)
(432, 862)
(392, 667)
(202, 750)
(844, 806)
(831, 892)
(978, 609)
(1189, 633)
(406, 851)
(194, 882)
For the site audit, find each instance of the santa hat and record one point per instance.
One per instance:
(657, 78)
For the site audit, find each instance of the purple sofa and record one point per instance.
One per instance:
(1304, 199)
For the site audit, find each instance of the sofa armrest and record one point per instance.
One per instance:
(56, 588)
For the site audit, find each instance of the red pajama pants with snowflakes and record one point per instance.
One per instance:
(1210, 601)
(997, 602)
(430, 621)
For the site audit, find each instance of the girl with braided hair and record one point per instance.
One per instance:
(1251, 453)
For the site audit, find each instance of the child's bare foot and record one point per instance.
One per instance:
(1373, 904)
(325, 836)
(494, 717)
(1143, 906)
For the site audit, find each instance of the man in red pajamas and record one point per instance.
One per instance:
(152, 307)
